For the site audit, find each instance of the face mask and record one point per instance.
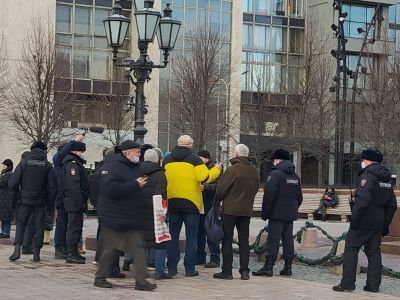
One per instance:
(363, 165)
(135, 159)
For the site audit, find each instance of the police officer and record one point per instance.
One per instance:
(372, 212)
(35, 180)
(282, 198)
(75, 196)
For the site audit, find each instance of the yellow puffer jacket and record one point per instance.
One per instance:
(185, 172)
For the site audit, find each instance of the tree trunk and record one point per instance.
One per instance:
(320, 174)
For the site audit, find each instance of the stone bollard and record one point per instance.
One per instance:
(309, 238)
(338, 269)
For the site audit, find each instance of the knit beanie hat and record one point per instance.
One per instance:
(151, 156)
(204, 153)
(128, 145)
(185, 141)
(281, 154)
(159, 152)
(372, 155)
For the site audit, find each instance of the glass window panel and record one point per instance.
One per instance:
(247, 41)
(278, 58)
(294, 60)
(83, 20)
(280, 7)
(277, 79)
(63, 61)
(214, 21)
(63, 18)
(100, 15)
(296, 40)
(63, 39)
(85, 2)
(101, 65)
(260, 78)
(106, 3)
(215, 4)
(247, 5)
(397, 39)
(295, 8)
(392, 13)
(293, 79)
(190, 19)
(398, 13)
(82, 41)
(178, 2)
(370, 13)
(261, 37)
(82, 63)
(262, 6)
(203, 4)
(357, 13)
(279, 38)
(260, 57)
(226, 25)
(100, 42)
(353, 29)
(226, 6)
(190, 3)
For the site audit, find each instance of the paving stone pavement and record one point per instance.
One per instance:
(53, 279)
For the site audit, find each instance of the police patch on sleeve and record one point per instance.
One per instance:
(269, 178)
(73, 171)
(363, 182)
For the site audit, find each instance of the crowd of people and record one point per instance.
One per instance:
(123, 188)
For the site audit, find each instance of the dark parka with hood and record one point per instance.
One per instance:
(282, 193)
(375, 201)
(6, 211)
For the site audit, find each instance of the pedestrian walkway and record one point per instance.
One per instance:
(53, 279)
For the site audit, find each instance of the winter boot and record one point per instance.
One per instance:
(268, 268)
(17, 253)
(287, 269)
(72, 258)
(60, 253)
(46, 238)
(36, 255)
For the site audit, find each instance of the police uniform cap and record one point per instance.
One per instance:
(78, 146)
(372, 155)
(128, 145)
(39, 145)
(281, 154)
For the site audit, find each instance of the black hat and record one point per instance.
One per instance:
(204, 153)
(8, 163)
(78, 146)
(39, 145)
(128, 145)
(281, 154)
(372, 155)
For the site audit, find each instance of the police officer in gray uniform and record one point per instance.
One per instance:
(282, 198)
(372, 212)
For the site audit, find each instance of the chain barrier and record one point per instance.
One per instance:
(331, 256)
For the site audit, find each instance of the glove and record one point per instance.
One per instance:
(385, 231)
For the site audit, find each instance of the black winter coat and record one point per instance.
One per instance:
(209, 190)
(6, 211)
(156, 185)
(120, 197)
(375, 201)
(282, 193)
(34, 179)
(75, 184)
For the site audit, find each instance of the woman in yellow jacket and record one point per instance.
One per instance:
(185, 172)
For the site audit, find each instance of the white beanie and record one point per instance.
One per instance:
(185, 141)
(151, 156)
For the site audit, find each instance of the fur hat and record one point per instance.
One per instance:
(372, 155)
(39, 145)
(78, 146)
(151, 155)
(204, 153)
(185, 141)
(281, 154)
(128, 145)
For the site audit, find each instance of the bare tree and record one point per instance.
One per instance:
(33, 106)
(314, 114)
(197, 78)
(4, 67)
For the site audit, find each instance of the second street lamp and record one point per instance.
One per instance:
(148, 21)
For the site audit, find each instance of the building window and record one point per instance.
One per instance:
(280, 7)
(359, 16)
(295, 8)
(63, 18)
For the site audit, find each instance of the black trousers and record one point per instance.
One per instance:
(74, 229)
(372, 242)
(242, 225)
(38, 221)
(278, 230)
(114, 267)
(131, 242)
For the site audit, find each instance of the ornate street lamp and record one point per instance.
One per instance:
(148, 22)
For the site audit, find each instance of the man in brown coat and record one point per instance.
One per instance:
(237, 189)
